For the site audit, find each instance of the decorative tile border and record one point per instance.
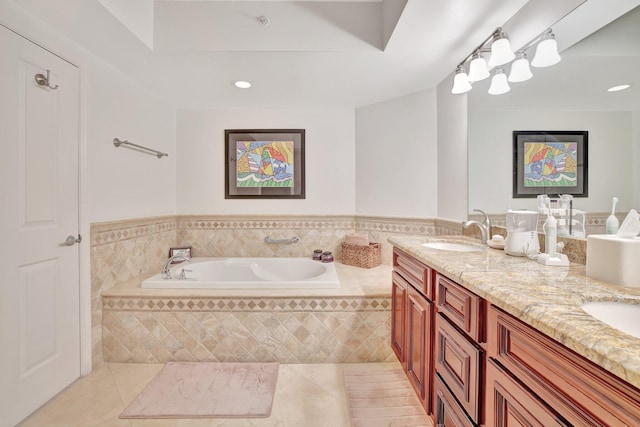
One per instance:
(395, 225)
(116, 231)
(218, 222)
(236, 304)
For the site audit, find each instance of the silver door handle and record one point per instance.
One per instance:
(72, 240)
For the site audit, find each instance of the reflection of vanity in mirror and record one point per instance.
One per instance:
(569, 96)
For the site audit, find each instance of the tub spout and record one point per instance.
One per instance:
(165, 269)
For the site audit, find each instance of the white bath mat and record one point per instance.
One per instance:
(383, 398)
(207, 390)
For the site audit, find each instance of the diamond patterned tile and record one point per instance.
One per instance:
(124, 250)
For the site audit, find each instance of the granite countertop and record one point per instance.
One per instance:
(547, 298)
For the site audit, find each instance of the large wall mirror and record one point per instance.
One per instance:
(569, 96)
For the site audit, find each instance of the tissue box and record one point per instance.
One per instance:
(614, 260)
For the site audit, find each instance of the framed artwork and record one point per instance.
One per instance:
(181, 251)
(550, 162)
(264, 163)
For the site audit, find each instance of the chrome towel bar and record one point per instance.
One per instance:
(294, 239)
(158, 154)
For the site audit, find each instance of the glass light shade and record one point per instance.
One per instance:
(460, 82)
(478, 69)
(501, 52)
(499, 84)
(520, 70)
(546, 53)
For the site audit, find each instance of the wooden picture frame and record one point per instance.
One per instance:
(264, 164)
(550, 162)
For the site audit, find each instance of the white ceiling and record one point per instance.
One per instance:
(317, 53)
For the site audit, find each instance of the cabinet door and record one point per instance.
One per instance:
(510, 404)
(398, 321)
(458, 361)
(418, 355)
(447, 411)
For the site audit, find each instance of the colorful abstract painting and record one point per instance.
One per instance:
(550, 164)
(264, 163)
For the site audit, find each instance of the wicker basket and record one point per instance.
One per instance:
(361, 256)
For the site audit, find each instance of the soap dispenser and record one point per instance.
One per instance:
(551, 255)
(550, 228)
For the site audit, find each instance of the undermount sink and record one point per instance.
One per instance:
(622, 316)
(449, 246)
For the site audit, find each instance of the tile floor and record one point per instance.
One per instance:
(306, 396)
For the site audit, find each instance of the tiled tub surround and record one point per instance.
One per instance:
(125, 250)
(121, 251)
(350, 324)
(547, 298)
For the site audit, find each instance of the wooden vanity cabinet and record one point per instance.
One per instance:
(399, 288)
(412, 323)
(459, 357)
(473, 364)
(530, 370)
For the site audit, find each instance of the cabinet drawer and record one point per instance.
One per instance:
(415, 272)
(461, 306)
(582, 392)
(447, 411)
(510, 404)
(458, 361)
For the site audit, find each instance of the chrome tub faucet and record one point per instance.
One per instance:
(165, 270)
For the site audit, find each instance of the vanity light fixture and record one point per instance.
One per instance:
(461, 82)
(499, 84)
(618, 88)
(501, 54)
(520, 71)
(478, 69)
(546, 51)
(242, 84)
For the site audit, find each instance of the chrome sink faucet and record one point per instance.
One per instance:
(165, 269)
(484, 226)
(486, 221)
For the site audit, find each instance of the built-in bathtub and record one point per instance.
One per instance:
(248, 273)
(349, 324)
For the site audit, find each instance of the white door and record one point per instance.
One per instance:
(39, 274)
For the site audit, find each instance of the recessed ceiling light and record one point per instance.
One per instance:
(242, 84)
(618, 88)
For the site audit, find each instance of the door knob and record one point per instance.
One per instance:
(72, 240)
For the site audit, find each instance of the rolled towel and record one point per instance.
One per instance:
(360, 239)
